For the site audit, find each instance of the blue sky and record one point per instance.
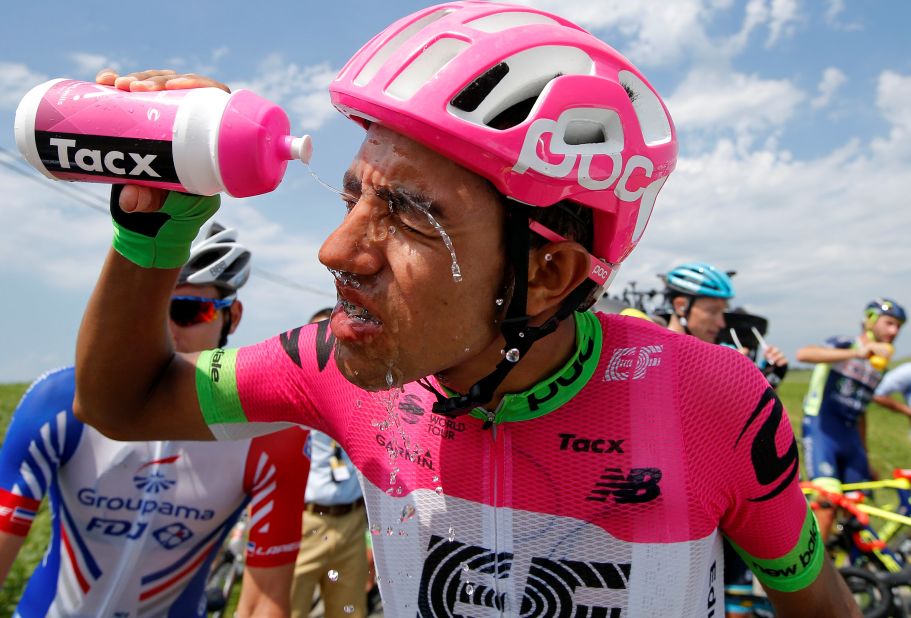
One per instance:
(794, 121)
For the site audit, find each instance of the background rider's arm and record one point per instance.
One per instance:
(266, 591)
(10, 544)
(822, 354)
(827, 596)
(892, 404)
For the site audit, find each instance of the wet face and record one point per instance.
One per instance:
(418, 261)
(202, 336)
(886, 328)
(706, 318)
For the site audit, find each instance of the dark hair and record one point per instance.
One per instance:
(320, 315)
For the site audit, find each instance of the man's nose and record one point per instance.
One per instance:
(353, 246)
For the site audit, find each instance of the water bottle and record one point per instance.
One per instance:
(881, 362)
(202, 140)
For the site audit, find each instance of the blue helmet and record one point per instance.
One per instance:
(885, 306)
(698, 279)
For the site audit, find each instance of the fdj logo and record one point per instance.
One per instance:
(117, 527)
(610, 147)
(172, 535)
(632, 363)
(460, 580)
(155, 481)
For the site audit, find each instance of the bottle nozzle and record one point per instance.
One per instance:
(300, 148)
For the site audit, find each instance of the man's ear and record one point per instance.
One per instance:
(554, 271)
(679, 305)
(237, 312)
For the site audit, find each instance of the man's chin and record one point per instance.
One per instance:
(369, 375)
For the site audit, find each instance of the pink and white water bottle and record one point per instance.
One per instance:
(200, 141)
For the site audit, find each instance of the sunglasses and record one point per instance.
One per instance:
(191, 310)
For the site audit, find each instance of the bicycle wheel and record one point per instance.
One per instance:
(873, 596)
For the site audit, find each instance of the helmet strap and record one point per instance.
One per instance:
(518, 335)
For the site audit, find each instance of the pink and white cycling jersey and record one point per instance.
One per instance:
(137, 524)
(601, 491)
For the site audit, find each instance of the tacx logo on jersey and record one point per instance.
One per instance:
(461, 580)
(632, 363)
(103, 155)
(572, 442)
(154, 481)
(772, 470)
(638, 486)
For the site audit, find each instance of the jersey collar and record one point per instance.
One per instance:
(554, 391)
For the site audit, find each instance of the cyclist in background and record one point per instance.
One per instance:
(841, 386)
(896, 381)
(696, 300)
(136, 524)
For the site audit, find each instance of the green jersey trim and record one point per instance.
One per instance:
(216, 387)
(563, 385)
(795, 570)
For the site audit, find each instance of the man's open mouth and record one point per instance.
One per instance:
(358, 313)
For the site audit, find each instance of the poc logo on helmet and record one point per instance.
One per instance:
(632, 363)
(590, 132)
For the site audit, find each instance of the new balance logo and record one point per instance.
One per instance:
(640, 485)
(632, 363)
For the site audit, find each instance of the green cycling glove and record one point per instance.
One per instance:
(160, 239)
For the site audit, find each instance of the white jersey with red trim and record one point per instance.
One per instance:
(137, 524)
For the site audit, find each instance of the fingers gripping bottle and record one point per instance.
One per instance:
(202, 141)
(881, 362)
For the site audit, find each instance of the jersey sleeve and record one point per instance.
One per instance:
(275, 478)
(895, 381)
(752, 461)
(287, 380)
(41, 437)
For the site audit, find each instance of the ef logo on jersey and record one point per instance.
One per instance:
(632, 363)
(773, 471)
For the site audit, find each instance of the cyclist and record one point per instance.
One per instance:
(896, 380)
(841, 386)
(136, 524)
(696, 299)
(590, 472)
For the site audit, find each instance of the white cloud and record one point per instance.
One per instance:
(303, 91)
(715, 100)
(833, 17)
(15, 80)
(783, 16)
(832, 79)
(87, 64)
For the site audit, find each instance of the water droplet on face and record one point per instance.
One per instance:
(348, 609)
(467, 349)
(375, 529)
(456, 271)
(392, 229)
(548, 257)
(389, 378)
(500, 302)
(513, 356)
(408, 512)
(333, 575)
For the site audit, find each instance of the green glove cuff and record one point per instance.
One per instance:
(162, 239)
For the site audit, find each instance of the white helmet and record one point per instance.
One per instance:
(216, 258)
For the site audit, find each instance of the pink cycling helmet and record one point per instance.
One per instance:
(596, 133)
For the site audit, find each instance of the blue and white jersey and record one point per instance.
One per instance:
(135, 525)
(841, 391)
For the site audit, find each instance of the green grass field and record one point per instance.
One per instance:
(887, 438)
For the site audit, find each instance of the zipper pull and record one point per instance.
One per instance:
(489, 422)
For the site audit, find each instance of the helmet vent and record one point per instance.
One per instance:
(424, 67)
(475, 92)
(499, 22)
(383, 54)
(656, 127)
(584, 132)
